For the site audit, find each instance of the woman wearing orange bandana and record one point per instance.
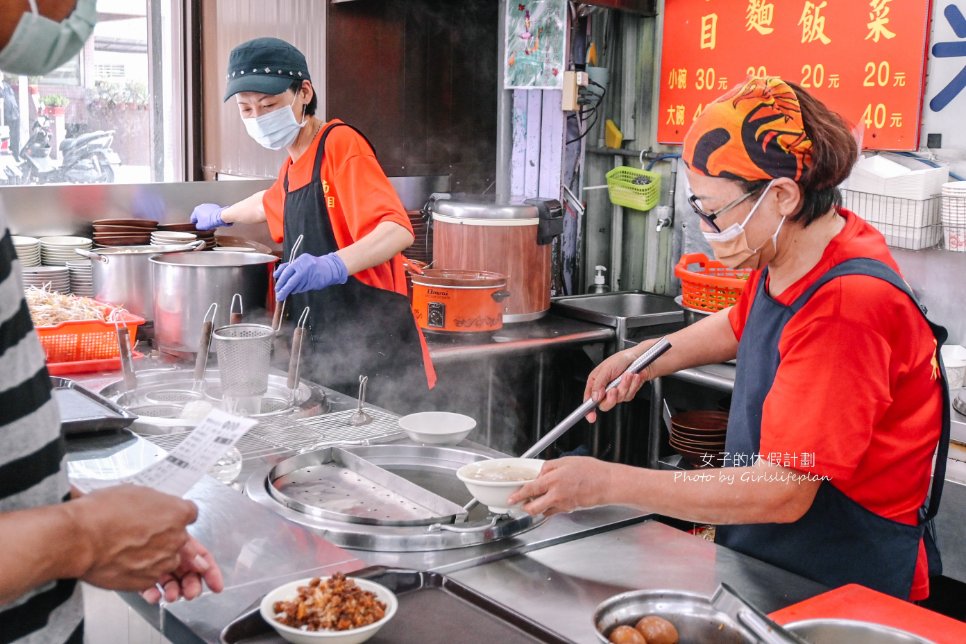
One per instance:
(839, 397)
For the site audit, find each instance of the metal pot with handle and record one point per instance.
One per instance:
(122, 275)
(185, 285)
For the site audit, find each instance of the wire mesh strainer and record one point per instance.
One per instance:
(244, 352)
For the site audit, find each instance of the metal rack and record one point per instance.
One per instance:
(913, 224)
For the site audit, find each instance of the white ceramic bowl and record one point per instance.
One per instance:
(437, 427)
(494, 494)
(289, 591)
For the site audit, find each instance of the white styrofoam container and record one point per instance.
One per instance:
(881, 175)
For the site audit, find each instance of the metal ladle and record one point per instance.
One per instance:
(360, 417)
(653, 353)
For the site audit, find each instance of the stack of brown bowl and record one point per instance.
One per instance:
(699, 437)
(123, 232)
(422, 248)
(187, 227)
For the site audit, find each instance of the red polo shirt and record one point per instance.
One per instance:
(857, 390)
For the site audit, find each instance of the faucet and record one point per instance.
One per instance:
(663, 217)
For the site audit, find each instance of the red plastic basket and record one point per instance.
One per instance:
(707, 285)
(69, 344)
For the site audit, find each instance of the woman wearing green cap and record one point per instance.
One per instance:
(331, 191)
(839, 397)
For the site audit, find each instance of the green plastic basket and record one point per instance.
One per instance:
(634, 188)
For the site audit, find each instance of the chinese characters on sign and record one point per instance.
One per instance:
(864, 58)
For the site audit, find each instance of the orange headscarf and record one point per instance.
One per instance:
(753, 132)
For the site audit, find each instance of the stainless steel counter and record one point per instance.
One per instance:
(525, 337)
(560, 586)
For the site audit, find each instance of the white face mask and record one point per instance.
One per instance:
(40, 45)
(731, 247)
(276, 129)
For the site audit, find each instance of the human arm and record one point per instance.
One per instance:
(250, 210)
(312, 273)
(387, 240)
(762, 493)
(708, 341)
(120, 538)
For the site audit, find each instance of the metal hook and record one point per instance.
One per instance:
(233, 317)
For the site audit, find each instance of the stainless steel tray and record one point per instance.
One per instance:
(335, 483)
(432, 609)
(81, 410)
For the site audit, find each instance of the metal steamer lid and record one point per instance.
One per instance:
(499, 214)
(390, 497)
(441, 277)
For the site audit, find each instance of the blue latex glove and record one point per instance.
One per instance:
(309, 273)
(207, 216)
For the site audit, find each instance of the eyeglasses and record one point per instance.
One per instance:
(709, 217)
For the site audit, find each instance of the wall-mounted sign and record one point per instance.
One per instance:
(946, 87)
(863, 58)
(535, 38)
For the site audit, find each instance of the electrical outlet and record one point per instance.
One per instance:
(583, 79)
(569, 99)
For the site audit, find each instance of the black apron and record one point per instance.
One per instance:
(837, 541)
(355, 329)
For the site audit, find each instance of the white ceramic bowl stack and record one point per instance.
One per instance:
(81, 277)
(168, 237)
(28, 250)
(954, 216)
(57, 277)
(57, 251)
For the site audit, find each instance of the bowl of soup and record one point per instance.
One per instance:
(492, 482)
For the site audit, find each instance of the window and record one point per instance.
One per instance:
(126, 83)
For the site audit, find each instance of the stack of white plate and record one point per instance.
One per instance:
(57, 251)
(954, 215)
(28, 250)
(56, 278)
(81, 277)
(164, 237)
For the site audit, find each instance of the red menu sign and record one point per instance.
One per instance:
(865, 59)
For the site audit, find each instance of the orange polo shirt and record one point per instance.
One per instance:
(358, 197)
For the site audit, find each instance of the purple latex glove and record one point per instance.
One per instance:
(207, 216)
(309, 273)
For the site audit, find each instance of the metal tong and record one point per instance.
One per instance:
(657, 350)
(295, 358)
(728, 601)
(201, 360)
(280, 307)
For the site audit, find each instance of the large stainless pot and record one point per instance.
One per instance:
(186, 284)
(122, 275)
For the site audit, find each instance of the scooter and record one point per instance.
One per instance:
(85, 158)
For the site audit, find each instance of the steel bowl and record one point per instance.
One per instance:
(695, 619)
(836, 631)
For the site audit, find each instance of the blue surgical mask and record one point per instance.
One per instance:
(274, 130)
(40, 45)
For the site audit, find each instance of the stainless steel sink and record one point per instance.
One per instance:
(621, 310)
